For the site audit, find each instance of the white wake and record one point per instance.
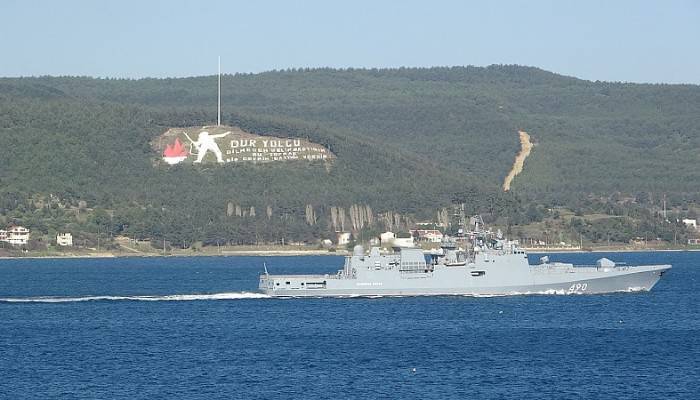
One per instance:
(172, 297)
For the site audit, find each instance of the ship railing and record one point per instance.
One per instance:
(310, 276)
(617, 266)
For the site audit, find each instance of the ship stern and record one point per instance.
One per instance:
(265, 284)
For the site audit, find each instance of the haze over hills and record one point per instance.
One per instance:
(407, 140)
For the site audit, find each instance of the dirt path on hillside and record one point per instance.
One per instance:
(525, 148)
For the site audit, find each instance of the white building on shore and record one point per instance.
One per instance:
(15, 235)
(428, 235)
(389, 239)
(403, 242)
(64, 239)
(343, 238)
(386, 238)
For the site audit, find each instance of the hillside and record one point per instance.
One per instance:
(408, 142)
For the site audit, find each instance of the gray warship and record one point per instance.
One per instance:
(474, 264)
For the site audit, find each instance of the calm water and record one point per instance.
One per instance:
(185, 328)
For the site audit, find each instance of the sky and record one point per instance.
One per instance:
(621, 40)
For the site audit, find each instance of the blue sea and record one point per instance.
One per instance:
(194, 328)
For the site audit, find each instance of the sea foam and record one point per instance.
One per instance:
(172, 297)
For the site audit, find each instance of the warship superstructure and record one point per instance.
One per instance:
(477, 264)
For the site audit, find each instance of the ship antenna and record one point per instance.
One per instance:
(218, 115)
(265, 268)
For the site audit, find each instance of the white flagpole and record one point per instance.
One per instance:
(218, 115)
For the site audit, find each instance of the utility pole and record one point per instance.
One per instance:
(665, 219)
(218, 114)
(675, 237)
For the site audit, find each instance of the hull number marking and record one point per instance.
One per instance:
(578, 287)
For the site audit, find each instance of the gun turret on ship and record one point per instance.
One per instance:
(477, 263)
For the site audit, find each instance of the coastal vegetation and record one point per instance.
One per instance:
(410, 142)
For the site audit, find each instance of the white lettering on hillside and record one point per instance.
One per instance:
(261, 150)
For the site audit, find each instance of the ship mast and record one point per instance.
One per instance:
(460, 215)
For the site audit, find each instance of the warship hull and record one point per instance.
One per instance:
(506, 275)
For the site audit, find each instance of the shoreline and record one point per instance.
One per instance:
(230, 253)
(606, 250)
(295, 253)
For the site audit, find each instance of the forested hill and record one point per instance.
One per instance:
(591, 136)
(407, 140)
